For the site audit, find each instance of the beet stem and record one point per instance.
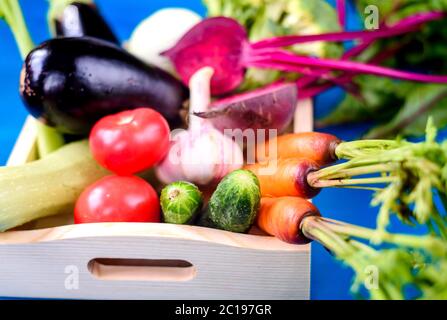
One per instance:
(406, 25)
(350, 66)
(310, 76)
(358, 49)
(287, 67)
(341, 12)
(342, 80)
(320, 74)
(307, 92)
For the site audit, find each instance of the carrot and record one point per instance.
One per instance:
(319, 147)
(285, 177)
(282, 217)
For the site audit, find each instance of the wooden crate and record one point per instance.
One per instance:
(50, 259)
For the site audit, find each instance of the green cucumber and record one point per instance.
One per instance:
(47, 186)
(235, 203)
(180, 201)
(203, 220)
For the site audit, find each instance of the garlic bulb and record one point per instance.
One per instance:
(202, 154)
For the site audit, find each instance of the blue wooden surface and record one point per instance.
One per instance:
(330, 280)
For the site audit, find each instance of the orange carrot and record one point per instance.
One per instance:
(319, 147)
(285, 177)
(282, 217)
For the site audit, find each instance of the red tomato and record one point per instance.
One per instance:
(118, 199)
(130, 141)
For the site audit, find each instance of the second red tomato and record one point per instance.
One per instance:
(131, 141)
(118, 199)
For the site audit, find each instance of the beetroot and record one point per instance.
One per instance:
(221, 43)
(215, 42)
(269, 108)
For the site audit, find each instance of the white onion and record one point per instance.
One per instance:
(160, 32)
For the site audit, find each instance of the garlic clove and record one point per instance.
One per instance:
(168, 170)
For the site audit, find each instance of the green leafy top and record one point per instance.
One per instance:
(417, 261)
(412, 175)
(400, 107)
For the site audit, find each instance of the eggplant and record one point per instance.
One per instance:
(70, 83)
(79, 19)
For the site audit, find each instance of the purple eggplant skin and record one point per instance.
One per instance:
(71, 83)
(81, 20)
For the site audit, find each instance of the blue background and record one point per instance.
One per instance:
(330, 279)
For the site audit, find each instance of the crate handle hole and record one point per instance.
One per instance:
(141, 269)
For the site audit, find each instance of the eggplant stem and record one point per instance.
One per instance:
(56, 7)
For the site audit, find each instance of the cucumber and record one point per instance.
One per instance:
(203, 220)
(180, 201)
(48, 186)
(235, 203)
